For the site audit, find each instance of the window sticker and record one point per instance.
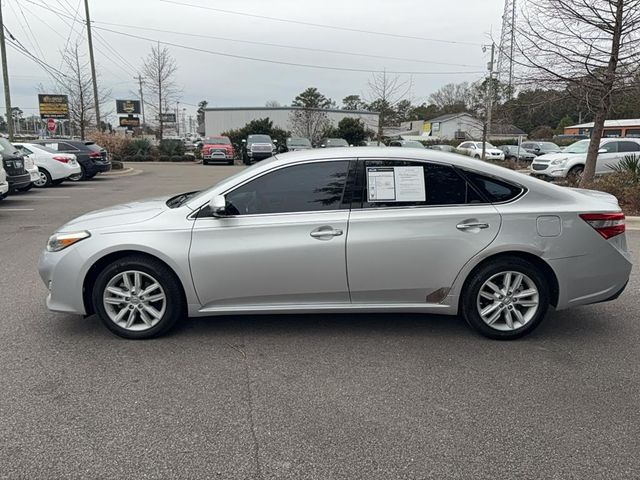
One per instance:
(396, 184)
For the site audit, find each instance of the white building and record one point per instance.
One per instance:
(218, 120)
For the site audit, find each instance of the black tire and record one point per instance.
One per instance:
(230, 162)
(88, 177)
(205, 162)
(175, 304)
(47, 182)
(575, 173)
(471, 291)
(512, 158)
(25, 189)
(57, 182)
(78, 176)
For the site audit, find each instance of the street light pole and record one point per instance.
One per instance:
(93, 67)
(487, 129)
(5, 77)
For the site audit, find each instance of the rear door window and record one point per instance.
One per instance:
(405, 183)
(66, 147)
(624, 147)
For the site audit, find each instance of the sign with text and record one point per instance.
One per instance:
(54, 106)
(168, 118)
(130, 122)
(129, 107)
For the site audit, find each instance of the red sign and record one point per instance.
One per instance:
(51, 125)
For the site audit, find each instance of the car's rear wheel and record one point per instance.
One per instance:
(506, 299)
(76, 177)
(25, 189)
(138, 297)
(44, 179)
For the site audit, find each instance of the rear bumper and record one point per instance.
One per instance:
(19, 181)
(591, 278)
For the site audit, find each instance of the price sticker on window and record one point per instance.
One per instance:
(396, 184)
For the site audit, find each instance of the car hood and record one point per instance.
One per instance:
(554, 156)
(125, 214)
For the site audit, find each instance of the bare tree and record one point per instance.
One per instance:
(159, 70)
(76, 84)
(272, 104)
(452, 97)
(385, 93)
(588, 47)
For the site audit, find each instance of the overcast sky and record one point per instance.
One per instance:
(226, 81)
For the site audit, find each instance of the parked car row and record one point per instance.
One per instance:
(42, 163)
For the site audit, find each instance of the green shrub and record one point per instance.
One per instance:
(630, 164)
(624, 185)
(138, 146)
(164, 158)
(148, 158)
(171, 147)
(116, 165)
(177, 158)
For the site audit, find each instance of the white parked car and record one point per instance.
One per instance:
(571, 161)
(474, 149)
(54, 167)
(33, 172)
(4, 185)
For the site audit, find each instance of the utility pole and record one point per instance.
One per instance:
(139, 78)
(5, 77)
(178, 118)
(487, 128)
(93, 67)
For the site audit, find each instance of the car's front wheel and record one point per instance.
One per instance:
(138, 297)
(506, 299)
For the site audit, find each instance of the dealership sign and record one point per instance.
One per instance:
(168, 118)
(129, 107)
(54, 106)
(130, 122)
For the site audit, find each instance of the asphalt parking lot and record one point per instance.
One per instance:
(319, 396)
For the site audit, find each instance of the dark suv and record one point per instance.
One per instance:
(92, 158)
(13, 161)
(540, 148)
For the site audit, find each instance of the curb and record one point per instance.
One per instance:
(121, 173)
(632, 223)
(197, 162)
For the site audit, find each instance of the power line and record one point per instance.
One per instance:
(294, 47)
(319, 25)
(26, 29)
(279, 62)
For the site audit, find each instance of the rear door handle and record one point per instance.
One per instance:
(468, 226)
(326, 233)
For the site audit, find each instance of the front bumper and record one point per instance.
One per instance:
(62, 274)
(4, 190)
(35, 175)
(551, 172)
(218, 156)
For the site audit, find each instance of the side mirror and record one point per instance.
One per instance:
(275, 141)
(244, 140)
(602, 150)
(218, 206)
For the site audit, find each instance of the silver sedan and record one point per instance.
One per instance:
(344, 230)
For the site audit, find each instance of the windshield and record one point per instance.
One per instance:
(250, 169)
(6, 147)
(298, 142)
(412, 144)
(487, 145)
(258, 139)
(578, 147)
(336, 142)
(217, 140)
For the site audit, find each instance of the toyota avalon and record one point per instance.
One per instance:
(345, 230)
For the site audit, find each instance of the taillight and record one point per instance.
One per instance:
(62, 159)
(95, 155)
(606, 224)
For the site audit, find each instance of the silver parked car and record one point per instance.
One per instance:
(344, 230)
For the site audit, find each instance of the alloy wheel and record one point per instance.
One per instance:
(134, 300)
(508, 300)
(42, 179)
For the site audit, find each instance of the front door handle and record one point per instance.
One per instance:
(324, 233)
(468, 226)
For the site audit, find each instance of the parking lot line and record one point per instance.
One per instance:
(44, 197)
(16, 209)
(84, 188)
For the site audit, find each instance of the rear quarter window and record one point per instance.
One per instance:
(493, 189)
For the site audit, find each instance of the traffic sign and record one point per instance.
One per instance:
(51, 125)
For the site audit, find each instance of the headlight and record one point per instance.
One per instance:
(561, 162)
(60, 241)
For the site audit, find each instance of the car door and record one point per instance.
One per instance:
(607, 156)
(282, 241)
(625, 148)
(410, 250)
